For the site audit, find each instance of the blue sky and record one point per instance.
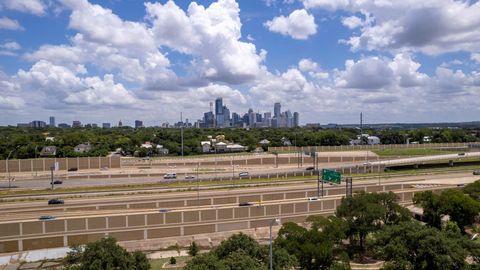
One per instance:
(102, 61)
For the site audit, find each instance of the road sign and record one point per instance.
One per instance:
(331, 176)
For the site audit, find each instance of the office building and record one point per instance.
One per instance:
(138, 124)
(120, 124)
(277, 109)
(296, 119)
(52, 122)
(105, 125)
(38, 124)
(209, 120)
(76, 124)
(63, 125)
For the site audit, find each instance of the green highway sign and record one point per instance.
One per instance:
(331, 176)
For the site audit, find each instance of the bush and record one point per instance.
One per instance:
(193, 249)
(173, 260)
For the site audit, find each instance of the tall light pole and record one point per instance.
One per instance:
(198, 186)
(181, 129)
(274, 221)
(8, 169)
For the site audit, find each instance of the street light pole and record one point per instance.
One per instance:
(198, 186)
(274, 221)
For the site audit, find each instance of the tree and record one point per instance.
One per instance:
(105, 254)
(432, 211)
(193, 249)
(473, 190)
(410, 245)
(315, 248)
(461, 208)
(367, 212)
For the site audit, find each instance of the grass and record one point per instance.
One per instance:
(158, 264)
(411, 152)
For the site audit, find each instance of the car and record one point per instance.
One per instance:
(245, 204)
(243, 174)
(170, 176)
(163, 210)
(56, 182)
(189, 177)
(55, 201)
(73, 169)
(46, 218)
(310, 168)
(311, 199)
(146, 158)
(476, 172)
(461, 154)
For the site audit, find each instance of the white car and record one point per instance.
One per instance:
(311, 199)
(170, 176)
(188, 177)
(243, 174)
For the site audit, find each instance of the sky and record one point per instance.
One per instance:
(105, 61)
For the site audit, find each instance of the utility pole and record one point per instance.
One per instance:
(51, 175)
(181, 129)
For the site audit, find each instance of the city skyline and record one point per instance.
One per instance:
(328, 60)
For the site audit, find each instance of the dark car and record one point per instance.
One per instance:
(57, 182)
(310, 168)
(73, 169)
(46, 218)
(245, 204)
(476, 172)
(163, 210)
(55, 201)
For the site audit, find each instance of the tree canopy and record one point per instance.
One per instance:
(105, 254)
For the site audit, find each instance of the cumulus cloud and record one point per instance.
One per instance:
(312, 69)
(36, 7)
(9, 24)
(62, 85)
(369, 73)
(432, 26)
(211, 35)
(299, 24)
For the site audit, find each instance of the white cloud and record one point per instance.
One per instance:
(36, 7)
(431, 26)
(475, 57)
(312, 68)
(370, 73)
(9, 24)
(326, 4)
(299, 24)
(61, 86)
(11, 45)
(101, 92)
(211, 35)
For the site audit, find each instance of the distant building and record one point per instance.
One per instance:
(63, 125)
(94, 125)
(277, 109)
(24, 125)
(220, 147)
(312, 125)
(264, 142)
(38, 124)
(105, 125)
(296, 120)
(235, 148)
(206, 146)
(120, 123)
(82, 148)
(138, 124)
(52, 122)
(48, 151)
(51, 139)
(209, 120)
(76, 124)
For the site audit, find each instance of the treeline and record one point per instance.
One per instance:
(31, 141)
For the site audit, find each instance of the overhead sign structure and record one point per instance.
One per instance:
(331, 176)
